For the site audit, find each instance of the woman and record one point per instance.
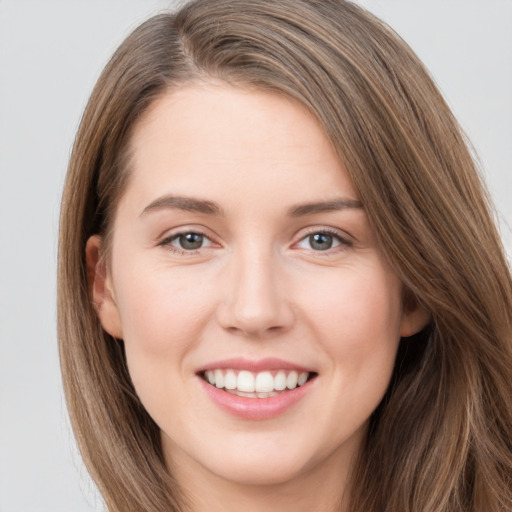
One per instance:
(280, 285)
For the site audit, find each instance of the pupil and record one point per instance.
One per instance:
(320, 241)
(191, 241)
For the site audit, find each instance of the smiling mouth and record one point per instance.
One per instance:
(263, 384)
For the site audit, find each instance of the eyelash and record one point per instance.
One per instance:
(167, 241)
(342, 242)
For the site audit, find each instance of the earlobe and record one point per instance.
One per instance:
(414, 318)
(100, 288)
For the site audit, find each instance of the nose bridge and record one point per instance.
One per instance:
(255, 302)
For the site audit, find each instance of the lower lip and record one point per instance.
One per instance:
(255, 408)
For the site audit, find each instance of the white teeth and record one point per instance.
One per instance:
(230, 380)
(303, 377)
(219, 378)
(255, 385)
(251, 395)
(280, 381)
(264, 382)
(243, 393)
(210, 375)
(291, 380)
(245, 382)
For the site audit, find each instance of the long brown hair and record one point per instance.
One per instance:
(441, 440)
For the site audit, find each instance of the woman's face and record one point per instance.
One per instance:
(242, 258)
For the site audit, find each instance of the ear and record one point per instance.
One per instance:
(414, 316)
(100, 288)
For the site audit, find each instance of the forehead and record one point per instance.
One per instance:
(224, 140)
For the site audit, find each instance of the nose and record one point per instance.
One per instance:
(255, 302)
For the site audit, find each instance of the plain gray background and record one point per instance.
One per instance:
(51, 53)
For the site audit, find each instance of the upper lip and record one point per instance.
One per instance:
(259, 365)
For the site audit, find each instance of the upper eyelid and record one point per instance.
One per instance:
(172, 233)
(341, 234)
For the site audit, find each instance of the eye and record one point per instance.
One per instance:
(187, 241)
(321, 241)
(190, 241)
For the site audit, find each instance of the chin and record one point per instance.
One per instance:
(273, 472)
(247, 460)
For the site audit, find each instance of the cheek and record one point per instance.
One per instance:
(162, 318)
(357, 318)
(159, 307)
(357, 325)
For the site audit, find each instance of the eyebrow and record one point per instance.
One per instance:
(324, 206)
(204, 206)
(189, 204)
